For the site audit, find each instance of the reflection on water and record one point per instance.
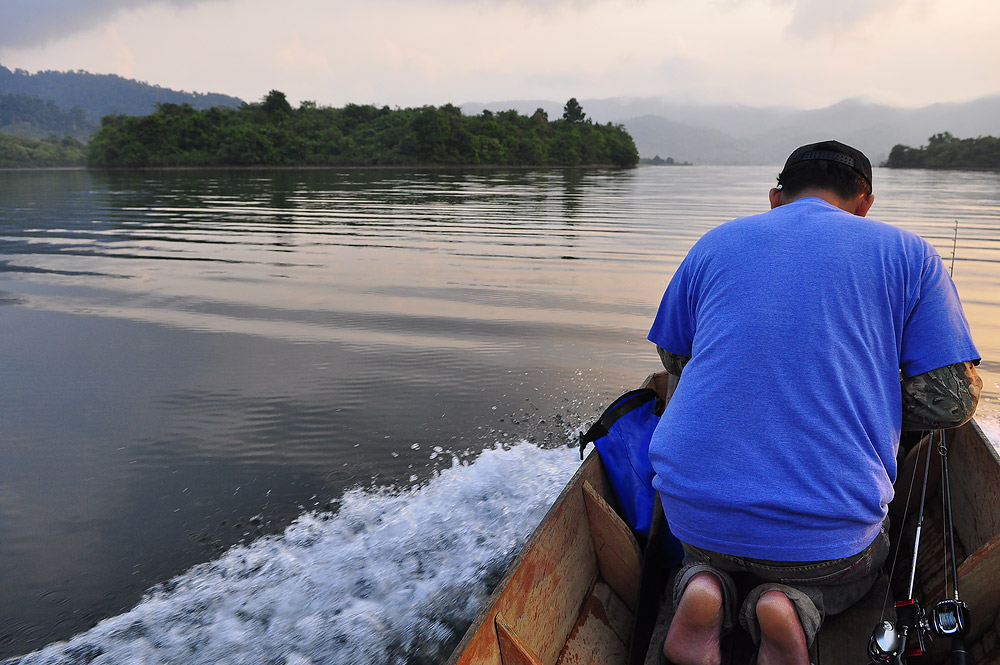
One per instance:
(195, 359)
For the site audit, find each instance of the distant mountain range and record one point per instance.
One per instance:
(747, 135)
(686, 132)
(96, 95)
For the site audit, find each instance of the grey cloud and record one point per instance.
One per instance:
(35, 22)
(26, 23)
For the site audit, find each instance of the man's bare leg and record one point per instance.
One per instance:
(695, 631)
(782, 640)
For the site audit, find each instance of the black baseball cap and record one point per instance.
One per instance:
(834, 151)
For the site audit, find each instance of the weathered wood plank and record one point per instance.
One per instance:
(541, 595)
(663, 383)
(620, 617)
(600, 636)
(975, 474)
(618, 555)
(513, 650)
(979, 586)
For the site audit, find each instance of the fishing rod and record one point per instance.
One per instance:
(950, 617)
(954, 247)
(893, 643)
(890, 643)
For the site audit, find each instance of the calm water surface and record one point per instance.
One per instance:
(338, 400)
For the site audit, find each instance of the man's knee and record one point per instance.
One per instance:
(777, 598)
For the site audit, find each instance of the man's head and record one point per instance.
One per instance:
(843, 173)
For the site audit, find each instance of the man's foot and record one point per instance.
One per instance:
(782, 640)
(695, 631)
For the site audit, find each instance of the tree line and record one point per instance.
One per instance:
(273, 133)
(944, 151)
(16, 152)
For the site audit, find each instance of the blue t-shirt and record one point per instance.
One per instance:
(780, 440)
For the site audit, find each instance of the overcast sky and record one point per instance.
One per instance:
(801, 53)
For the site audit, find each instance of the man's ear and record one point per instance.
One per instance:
(775, 197)
(864, 205)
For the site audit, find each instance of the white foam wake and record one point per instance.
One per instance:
(392, 577)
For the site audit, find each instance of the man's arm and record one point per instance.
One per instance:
(673, 363)
(941, 398)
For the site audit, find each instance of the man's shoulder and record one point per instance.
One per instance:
(903, 237)
(827, 220)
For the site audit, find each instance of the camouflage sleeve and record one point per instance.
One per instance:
(941, 398)
(673, 363)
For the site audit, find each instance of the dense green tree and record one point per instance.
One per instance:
(273, 133)
(573, 112)
(944, 151)
(16, 152)
(276, 105)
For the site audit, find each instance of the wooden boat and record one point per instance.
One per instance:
(574, 595)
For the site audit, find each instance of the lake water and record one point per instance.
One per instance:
(308, 416)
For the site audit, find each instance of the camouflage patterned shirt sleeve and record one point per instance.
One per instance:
(941, 398)
(673, 363)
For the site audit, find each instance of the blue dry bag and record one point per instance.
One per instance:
(621, 436)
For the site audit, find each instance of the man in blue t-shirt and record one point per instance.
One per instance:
(776, 454)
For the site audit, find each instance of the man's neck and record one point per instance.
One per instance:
(858, 205)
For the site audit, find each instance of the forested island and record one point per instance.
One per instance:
(272, 133)
(944, 151)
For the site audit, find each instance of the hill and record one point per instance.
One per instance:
(98, 95)
(28, 116)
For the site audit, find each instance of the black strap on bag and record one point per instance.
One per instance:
(618, 409)
(621, 436)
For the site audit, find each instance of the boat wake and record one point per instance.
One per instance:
(392, 577)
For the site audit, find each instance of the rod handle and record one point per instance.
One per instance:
(959, 656)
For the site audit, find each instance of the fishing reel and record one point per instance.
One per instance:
(895, 643)
(949, 618)
(891, 643)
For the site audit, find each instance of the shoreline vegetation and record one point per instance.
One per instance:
(49, 152)
(944, 151)
(659, 161)
(272, 133)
